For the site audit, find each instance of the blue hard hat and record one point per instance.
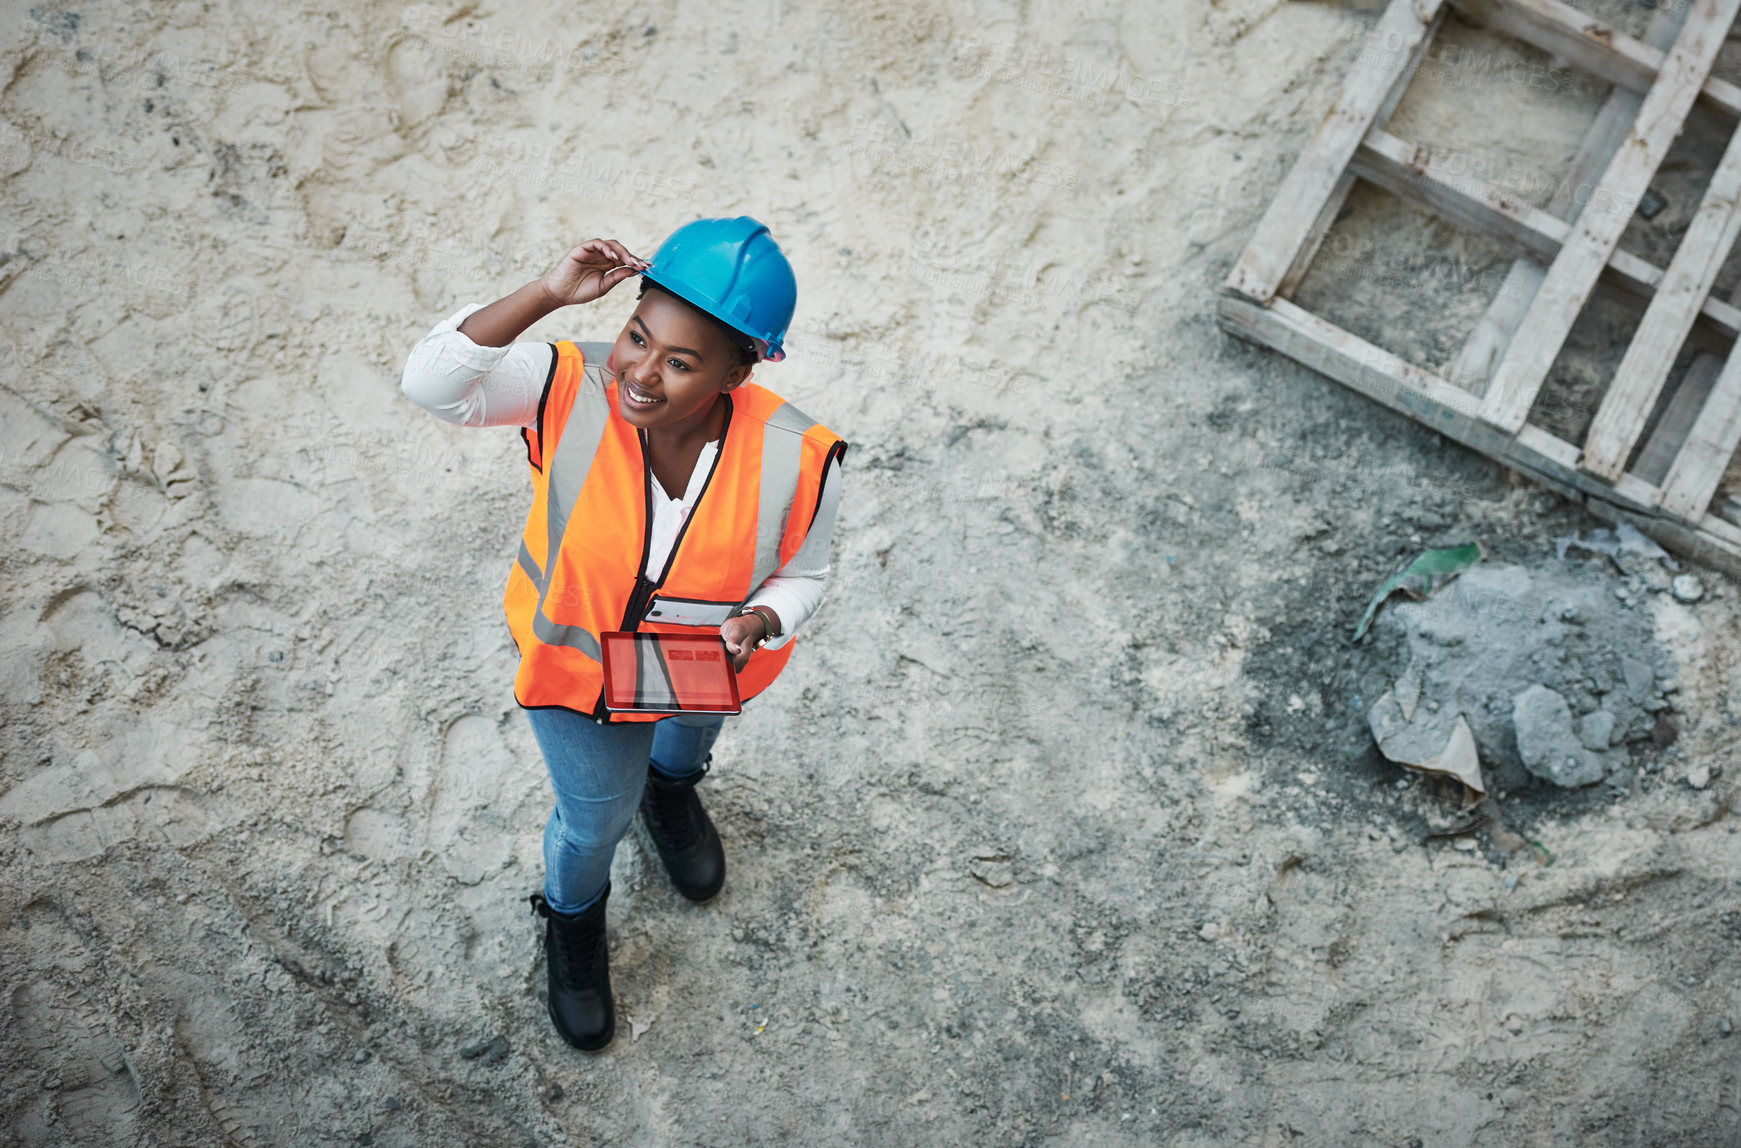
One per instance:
(733, 270)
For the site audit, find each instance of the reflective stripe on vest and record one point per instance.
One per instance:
(589, 467)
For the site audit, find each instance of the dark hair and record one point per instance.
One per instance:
(742, 343)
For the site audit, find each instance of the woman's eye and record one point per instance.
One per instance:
(637, 338)
(679, 364)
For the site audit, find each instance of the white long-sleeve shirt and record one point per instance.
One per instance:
(460, 382)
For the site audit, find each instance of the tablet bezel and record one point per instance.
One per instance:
(658, 640)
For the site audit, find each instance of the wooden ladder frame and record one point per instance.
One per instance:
(1563, 253)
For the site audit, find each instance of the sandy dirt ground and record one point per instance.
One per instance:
(1065, 825)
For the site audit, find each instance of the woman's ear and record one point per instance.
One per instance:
(736, 377)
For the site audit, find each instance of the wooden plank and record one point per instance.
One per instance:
(1677, 421)
(1333, 206)
(1315, 237)
(1422, 395)
(1492, 332)
(1437, 405)
(1287, 225)
(1592, 46)
(1414, 174)
(1637, 384)
(1573, 274)
(1703, 458)
(1487, 341)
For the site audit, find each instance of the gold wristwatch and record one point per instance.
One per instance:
(770, 621)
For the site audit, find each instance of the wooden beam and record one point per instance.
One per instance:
(1315, 237)
(1703, 458)
(1422, 395)
(1333, 206)
(1492, 333)
(1287, 225)
(1573, 274)
(1592, 46)
(1677, 420)
(1437, 405)
(1637, 384)
(1414, 174)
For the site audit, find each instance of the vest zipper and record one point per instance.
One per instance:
(642, 595)
(646, 587)
(643, 585)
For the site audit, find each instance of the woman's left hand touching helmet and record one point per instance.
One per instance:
(589, 270)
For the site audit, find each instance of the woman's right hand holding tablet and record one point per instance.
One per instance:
(589, 270)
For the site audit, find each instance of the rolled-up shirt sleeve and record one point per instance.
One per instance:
(462, 383)
(794, 591)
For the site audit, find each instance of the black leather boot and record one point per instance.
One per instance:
(684, 835)
(578, 970)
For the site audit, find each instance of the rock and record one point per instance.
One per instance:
(1699, 776)
(1663, 733)
(1638, 678)
(1596, 729)
(1211, 932)
(473, 1051)
(1725, 1028)
(1543, 723)
(1687, 588)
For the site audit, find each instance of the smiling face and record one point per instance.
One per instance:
(672, 364)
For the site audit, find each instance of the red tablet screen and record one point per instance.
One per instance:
(668, 674)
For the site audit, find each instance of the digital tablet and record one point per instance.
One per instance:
(668, 674)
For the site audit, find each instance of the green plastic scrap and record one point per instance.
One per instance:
(1430, 570)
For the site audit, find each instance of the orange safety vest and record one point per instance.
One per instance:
(583, 554)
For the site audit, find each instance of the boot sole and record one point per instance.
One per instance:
(573, 1042)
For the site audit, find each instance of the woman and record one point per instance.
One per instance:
(669, 494)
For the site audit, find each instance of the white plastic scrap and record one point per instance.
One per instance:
(1623, 540)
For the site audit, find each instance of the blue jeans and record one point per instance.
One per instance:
(597, 772)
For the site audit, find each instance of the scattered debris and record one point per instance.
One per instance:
(1623, 539)
(1462, 829)
(1504, 840)
(1651, 203)
(1423, 745)
(1426, 573)
(1501, 631)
